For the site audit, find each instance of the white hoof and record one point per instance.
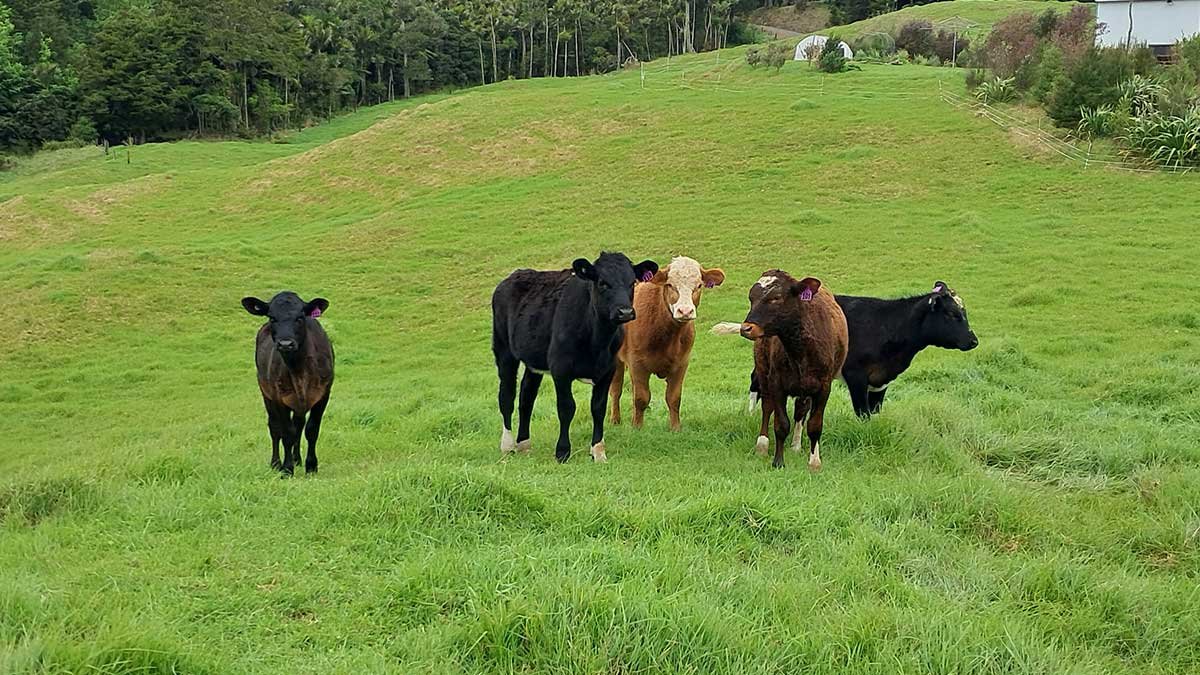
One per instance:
(525, 445)
(761, 445)
(814, 460)
(507, 444)
(598, 453)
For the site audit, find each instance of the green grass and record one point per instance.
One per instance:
(1028, 507)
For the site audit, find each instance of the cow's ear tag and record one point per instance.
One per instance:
(938, 287)
(647, 275)
(316, 312)
(806, 294)
(709, 284)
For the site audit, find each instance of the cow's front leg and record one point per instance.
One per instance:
(599, 402)
(782, 427)
(566, 412)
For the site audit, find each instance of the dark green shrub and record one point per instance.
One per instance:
(1046, 73)
(975, 77)
(1188, 52)
(1046, 22)
(1091, 83)
(1177, 93)
(754, 57)
(83, 131)
(832, 59)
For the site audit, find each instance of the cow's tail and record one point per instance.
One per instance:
(726, 328)
(730, 328)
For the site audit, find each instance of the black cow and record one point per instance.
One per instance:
(295, 373)
(568, 324)
(885, 336)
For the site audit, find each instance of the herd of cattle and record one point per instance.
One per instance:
(600, 318)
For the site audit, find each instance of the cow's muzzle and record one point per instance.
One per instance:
(624, 315)
(287, 345)
(751, 331)
(970, 343)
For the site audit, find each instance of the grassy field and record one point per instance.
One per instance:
(1028, 507)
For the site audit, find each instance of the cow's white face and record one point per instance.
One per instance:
(683, 281)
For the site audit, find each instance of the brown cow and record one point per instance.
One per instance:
(800, 346)
(660, 340)
(295, 373)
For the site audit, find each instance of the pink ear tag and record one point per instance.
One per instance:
(806, 294)
(709, 284)
(938, 289)
(316, 311)
(647, 275)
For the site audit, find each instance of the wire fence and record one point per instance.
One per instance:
(702, 74)
(1087, 157)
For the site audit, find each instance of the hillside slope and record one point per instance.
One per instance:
(1025, 507)
(982, 13)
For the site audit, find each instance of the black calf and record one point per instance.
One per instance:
(568, 324)
(295, 373)
(885, 336)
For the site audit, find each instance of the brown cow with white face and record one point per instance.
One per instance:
(801, 342)
(660, 340)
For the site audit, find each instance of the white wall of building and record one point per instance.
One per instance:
(1155, 22)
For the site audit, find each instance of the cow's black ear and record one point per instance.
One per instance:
(316, 307)
(583, 269)
(645, 270)
(254, 306)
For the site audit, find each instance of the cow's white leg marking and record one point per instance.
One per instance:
(797, 439)
(507, 444)
(761, 445)
(598, 453)
(814, 460)
(525, 445)
(753, 402)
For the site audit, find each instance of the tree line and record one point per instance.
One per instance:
(158, 69)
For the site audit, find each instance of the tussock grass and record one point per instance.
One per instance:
(1028, 507)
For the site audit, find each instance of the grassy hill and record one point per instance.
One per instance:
(1028, 507)
(983, 13)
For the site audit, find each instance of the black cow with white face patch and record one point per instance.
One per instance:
(885, 336)
(566, 323)
(295, 373)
